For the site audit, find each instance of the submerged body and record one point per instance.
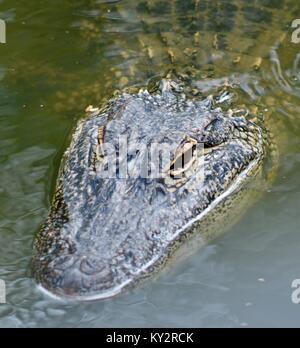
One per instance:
(106, 231)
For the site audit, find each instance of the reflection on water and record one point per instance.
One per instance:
(60, 57)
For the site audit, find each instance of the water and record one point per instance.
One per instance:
(60, 57)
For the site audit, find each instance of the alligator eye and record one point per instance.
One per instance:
(183, 161)
(176, 172)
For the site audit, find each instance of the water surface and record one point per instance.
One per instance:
(62, 56)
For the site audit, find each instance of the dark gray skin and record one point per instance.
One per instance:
(103, 235)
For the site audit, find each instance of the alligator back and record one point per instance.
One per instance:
(209, 38)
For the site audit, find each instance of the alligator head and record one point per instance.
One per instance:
(108, 226)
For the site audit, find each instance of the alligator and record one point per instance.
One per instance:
(107, 229)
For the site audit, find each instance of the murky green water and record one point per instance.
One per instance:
(61, 56)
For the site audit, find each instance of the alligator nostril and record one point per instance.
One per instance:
(91, 266)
